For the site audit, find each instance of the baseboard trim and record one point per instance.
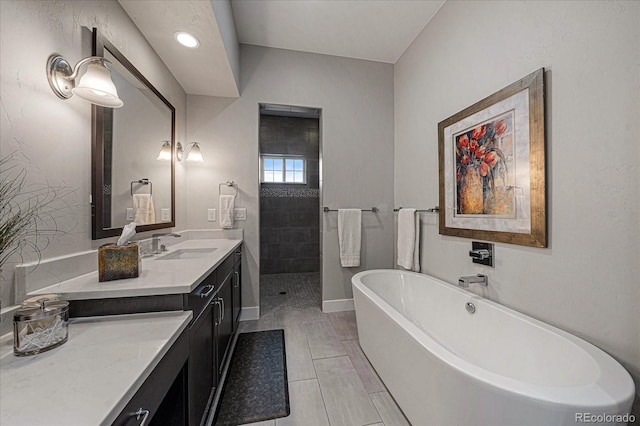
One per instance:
(338, 305)
(250, 313)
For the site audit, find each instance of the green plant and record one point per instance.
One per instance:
(29, 212)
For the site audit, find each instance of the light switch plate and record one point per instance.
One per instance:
(211, 215)
(130, 215)
(240, 214)
(166, 215)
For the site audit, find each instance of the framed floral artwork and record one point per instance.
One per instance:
(492, 167)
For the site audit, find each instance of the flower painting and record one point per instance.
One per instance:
(492, 167)
(484, 166)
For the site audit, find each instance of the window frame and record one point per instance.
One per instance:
(284, 158)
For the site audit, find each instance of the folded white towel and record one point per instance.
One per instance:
(227, 204)
(409, 239)
(349, 235)
(143, 209)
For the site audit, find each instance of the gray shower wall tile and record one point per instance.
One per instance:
(302, 264)
(290, 213)
(270, 235)
(295, 235)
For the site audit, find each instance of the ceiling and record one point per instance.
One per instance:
(202, 71)
(375, 30)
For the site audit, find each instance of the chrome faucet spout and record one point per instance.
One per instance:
(480, 279)
(155, 238)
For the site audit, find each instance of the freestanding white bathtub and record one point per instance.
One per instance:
(445, 366)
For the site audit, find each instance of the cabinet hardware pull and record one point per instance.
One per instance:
(142, 412)
(237, 279)
(222, 310)
(208, 292)
(216, 303)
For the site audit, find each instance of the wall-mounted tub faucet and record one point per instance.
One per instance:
(473, 279)
(482, 253)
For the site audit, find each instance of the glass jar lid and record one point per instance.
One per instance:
(35, 300)
(45, 308)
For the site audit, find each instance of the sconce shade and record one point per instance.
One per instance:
(195, 154)
(165, 152)
(97, 87)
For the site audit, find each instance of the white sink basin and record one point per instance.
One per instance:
(194, 253)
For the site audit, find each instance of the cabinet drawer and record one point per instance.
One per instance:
(225, 268)
(154, 389)
(200, 297)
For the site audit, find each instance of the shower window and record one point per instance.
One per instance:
(283, 169)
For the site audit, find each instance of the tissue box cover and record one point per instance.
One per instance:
(118, 262)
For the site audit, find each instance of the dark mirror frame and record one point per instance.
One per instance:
(100, 43)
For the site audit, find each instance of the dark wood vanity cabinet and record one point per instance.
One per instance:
(215, 304)
(189, 375)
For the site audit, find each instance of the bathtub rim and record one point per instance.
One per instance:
(616, 389)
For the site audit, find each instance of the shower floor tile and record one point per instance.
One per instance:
(289, 292)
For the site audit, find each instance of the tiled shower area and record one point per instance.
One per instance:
(289, 209)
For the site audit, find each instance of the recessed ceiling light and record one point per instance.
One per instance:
(186, 39)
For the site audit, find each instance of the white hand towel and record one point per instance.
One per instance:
(409, 239)
(227, 204)
(143, 209)
(349, 235)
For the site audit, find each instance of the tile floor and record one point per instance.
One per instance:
(330, 380)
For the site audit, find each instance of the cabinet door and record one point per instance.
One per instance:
(202, 381)
(225, 321)
(162, 391)
(237, 294)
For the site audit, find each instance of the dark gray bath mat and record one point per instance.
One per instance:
(256, 385)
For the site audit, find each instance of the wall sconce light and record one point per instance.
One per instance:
(192, 150)
(94, 86)
(165, 151)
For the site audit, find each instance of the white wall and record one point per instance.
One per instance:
(356, 98)
(224, 17)
(588, 280)
(54, 135)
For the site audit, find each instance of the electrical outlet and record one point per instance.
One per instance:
(240, 214)
(166, 215)
(130, 215)
(211, 215)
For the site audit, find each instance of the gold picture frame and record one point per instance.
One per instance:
(492, 167)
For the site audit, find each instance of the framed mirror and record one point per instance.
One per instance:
(129, 181)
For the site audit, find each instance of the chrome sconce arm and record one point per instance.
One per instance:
(95, 86)
(191, 152)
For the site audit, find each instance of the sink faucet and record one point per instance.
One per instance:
(156, 237)
(473, 279)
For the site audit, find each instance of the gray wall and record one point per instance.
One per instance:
(356, 130)
(587, 282)
(54, 135)
(290, 213)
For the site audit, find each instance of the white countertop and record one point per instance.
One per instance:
(157, 277)
(89, 379)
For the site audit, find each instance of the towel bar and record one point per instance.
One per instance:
(372, 209)
(143, 181)
(435, 209)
